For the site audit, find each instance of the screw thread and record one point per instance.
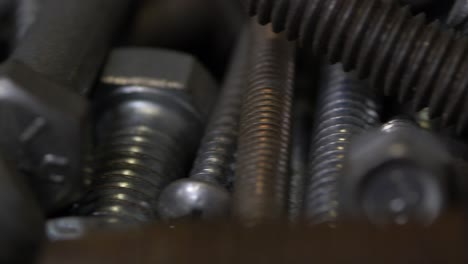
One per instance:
(260, 188)
(132, 167)
(345, 108)
(398, 51)
(216, 153)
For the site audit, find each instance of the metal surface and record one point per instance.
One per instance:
(400, 53)
(204, 194)
(345, 108)
(150, 112)
(395, 176)
(444, 242)
(260, 188)
(43, 116)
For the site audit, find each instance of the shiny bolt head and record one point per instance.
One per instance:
(395, 177)
(189, 198)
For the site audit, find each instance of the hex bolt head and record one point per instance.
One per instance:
(44, 131)
(193, 198)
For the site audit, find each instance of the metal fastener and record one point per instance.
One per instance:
(260, 188)
(400, 53)
(151, 109)
(345, 108)
(204, 194)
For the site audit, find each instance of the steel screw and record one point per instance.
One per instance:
(399, 53)
(345, 108)
(260, 188)
(204, 194)
(151, 112)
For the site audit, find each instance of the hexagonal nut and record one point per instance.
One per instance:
(44, 132)
(166, 71)
(375, 150)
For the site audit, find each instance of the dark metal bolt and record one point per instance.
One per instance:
(260, 188)
(345, 108)
(151, 110)
(204, 193)
(44, 115)
(399, 52)
(395, 175)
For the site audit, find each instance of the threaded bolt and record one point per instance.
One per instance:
(399, 52)
(345, 108)
(260, 188)
(149, 122)
(204, 194)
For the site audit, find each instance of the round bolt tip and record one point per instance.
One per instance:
(189, 198)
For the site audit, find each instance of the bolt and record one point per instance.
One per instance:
(151, 109)
(395, 175)
(260, 187)
(204, 194)
(345, 108)
(399, 52)
(43, 111)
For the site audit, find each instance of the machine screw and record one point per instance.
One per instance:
(399, 53)
(395, 175)
(151, 111)
(345, 108)
(260, 188)
(204, 193)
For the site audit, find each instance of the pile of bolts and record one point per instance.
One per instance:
(118, 114)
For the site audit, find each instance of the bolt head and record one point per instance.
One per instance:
(158, 73)
(44, 129)
(189, 198)
(409, 166)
